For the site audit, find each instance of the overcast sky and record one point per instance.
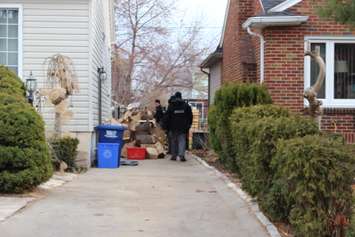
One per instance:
(209, 12)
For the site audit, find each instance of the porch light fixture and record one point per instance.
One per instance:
(102, 73)
(31, 87)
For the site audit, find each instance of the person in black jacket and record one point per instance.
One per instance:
(159, 113)
(178, 123)
(165, 124)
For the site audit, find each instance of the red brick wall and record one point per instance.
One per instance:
(284, 65)
(340, 121)
(238, 51)
(284, 58)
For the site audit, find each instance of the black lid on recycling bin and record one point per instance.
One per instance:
(111, 127)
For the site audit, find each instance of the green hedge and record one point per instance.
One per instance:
(241, 122)
(24, 155)
(228, 98)
(298, 174)
(255, 141)
(212, 126)
(65, 149)
(316, 174)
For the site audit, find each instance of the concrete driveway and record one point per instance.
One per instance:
(156, 199)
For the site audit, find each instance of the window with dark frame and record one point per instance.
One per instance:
(344, 71)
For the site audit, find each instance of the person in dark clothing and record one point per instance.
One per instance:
(179, 121)
(165, 124)
(159, 113)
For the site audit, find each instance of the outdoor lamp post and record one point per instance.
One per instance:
(102, 77)
(31, 87)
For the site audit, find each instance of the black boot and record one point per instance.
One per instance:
(183, 159)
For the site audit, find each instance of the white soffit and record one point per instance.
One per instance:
(265, 21)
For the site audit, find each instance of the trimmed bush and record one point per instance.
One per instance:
(316, 174)
(10, 83)
(299, 175)
(257, 112)
(24, 154)
(20, 125)
(65, 149)
(23, 169)
(264, 134)
(243, 124)
(228, 98)
(212, 126)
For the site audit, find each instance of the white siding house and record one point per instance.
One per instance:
(33, 30)
(214, 65)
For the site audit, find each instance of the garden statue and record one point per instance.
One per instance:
(62, 84)
(311, 93)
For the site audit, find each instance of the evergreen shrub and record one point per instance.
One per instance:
(65, 149)
(228, 98)
(24, 155)
(316, 173)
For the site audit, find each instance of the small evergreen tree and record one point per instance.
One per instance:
(340, 11)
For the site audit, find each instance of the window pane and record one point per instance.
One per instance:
(3, 16)
(3, 46)
(13, 31)
(12, 59)
(315, 68)
(344, 71)
(13, 16)
(12, 44)
(3, 59)
(3, 31)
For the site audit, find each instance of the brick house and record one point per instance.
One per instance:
(265, 40)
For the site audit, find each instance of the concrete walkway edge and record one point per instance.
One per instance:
(270, 227)
(9, 206)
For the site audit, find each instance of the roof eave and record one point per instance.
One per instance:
(211, 59)
(284, 5)
(267, 21)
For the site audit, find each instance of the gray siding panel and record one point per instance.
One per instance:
(58, 26)
(100, 57)
(215, 80)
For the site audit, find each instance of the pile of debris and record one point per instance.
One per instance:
(143, 132)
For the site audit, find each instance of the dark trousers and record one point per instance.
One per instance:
(168, 136)
(178, 144)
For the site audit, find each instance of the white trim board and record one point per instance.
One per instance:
(284, 5)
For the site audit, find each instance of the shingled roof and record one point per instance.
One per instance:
(268, 4)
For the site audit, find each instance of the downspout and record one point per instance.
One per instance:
(209, 84)
(100, 99)
(262, 52)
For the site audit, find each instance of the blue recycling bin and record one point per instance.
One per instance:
(110, 133)
(110, 143)
(108, 157)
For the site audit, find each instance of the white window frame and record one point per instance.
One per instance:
(330, 41)
(20, 34)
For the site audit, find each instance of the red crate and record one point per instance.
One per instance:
(136, 153)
